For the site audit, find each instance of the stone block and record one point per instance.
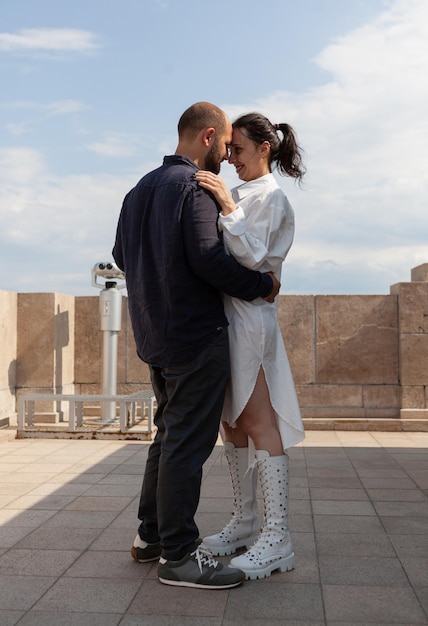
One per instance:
(420, 272)
(356, 340)
(64, 320)
(330, 395)
(413, 397)
(333, 412)
(8, 343)
(414, 359)
(414, 414)
(296, 316)
(412, 307)
(88, 341)
(36, 340)
(45, 340)
(375, 396)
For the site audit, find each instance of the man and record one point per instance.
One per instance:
(176, 268)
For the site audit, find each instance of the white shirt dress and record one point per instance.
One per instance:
(259, 235)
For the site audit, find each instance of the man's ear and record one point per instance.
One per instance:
(208, 136)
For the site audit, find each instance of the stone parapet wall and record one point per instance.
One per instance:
(352, 356)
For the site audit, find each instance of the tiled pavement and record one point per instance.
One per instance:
(358, 516)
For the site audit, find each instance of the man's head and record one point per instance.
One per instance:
(204, 135)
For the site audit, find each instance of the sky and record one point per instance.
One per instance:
(92, 91)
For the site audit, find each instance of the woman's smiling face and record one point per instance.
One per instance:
(249, 159)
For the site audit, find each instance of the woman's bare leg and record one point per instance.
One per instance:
(258, 419)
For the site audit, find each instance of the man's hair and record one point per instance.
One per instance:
(199, 116)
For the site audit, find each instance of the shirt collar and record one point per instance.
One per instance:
(247, 188)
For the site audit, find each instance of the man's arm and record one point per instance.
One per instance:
(207, 257)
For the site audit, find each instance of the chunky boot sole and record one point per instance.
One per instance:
(285, 564)
(232, 547)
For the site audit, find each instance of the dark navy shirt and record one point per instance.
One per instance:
(170, 248)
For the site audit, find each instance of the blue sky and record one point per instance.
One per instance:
(92, 91)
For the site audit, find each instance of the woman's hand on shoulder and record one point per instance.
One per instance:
(215, 184)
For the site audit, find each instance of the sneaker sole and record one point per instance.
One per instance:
(134, 553)
(182, 583)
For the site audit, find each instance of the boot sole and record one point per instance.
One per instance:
(283, 565)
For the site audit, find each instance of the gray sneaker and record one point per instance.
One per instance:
(199, 569)
(144, 552)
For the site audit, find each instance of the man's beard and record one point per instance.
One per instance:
(213, 159)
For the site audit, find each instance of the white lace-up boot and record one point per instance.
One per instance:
(273, 549)
(244, 527)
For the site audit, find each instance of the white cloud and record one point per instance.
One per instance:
(48, 40)
(116, 145)
(365, 134)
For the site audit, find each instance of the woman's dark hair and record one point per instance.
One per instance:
(285, 153)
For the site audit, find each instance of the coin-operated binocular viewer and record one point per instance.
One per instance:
(110, 307)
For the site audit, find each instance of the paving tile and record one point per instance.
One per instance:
(334, 482)
(388, 483)
(342, 507)
(346, 570)
(31, 562)
(407, 509)
(272, 601)
(330, 472)
(157, 599)
(19, 593)
(397, 495)
(322, 493)
(27, 518)
(365, 472)
(422, 594)
(81, 519)
(98, 503)
(372, 604)
(303, 543)
(416, 570)
(169, 620)
(13, 488)
(10, 535)
(410, 545)
(43, 618)
(10, 618)
(89, 595)
(404, 525)
(50, 503)
(102, 489)
(354, 545)
(115, 539)
(102, 564)
(59, 538)
(358, 524)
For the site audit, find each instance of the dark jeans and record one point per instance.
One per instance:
(190, 400)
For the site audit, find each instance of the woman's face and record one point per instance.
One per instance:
(249, 159)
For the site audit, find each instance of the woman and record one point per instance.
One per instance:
(261, 410)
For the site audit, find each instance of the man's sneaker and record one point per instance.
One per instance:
(144, 552)
(199, 569)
